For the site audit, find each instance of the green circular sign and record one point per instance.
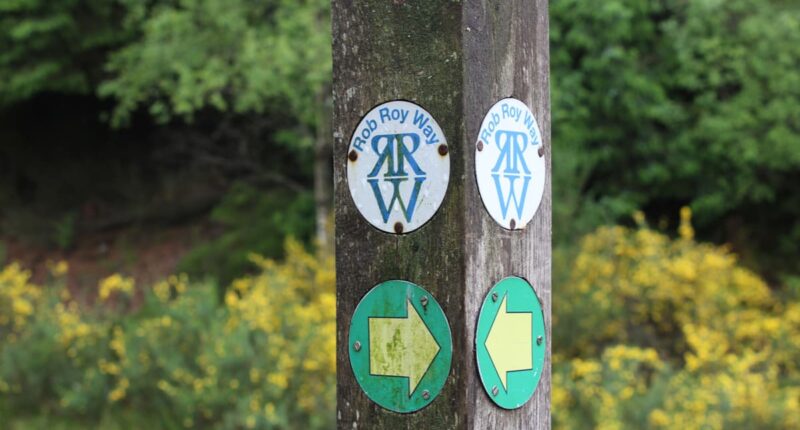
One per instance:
(510, 342)
(400, 346)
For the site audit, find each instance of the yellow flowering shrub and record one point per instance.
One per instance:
(262, 357)
(115, 284)
(649, 332)
(656, 332)
(18, 297)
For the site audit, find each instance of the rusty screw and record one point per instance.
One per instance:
(398, 227)
(424, 301)
(541, 151)
(494, 297)
(480, 145)
(426, 395)
(357, 346)
(442, 150)
(513, 223)
(353, 155)
(539, 340)
(495, 390)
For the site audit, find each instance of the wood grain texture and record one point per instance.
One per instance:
(385, 50)
(506, 54)
(455, 59)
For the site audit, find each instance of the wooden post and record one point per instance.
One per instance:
(456, 59)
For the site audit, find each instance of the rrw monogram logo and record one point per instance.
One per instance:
(397, 154)
(512, 168)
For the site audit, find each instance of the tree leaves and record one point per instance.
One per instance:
(681, 102)
(227, 55)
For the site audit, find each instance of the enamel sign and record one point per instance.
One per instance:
(510, 343)
(509, 164)
(398, 166)
(400, 346)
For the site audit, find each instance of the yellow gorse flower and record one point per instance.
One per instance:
(18, 298)
(721, 348)
(270, 345)
(115, 283)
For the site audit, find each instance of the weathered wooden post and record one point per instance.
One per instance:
(443, 213)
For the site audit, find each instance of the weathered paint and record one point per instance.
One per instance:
(398, 168)
(510, 343)
(400, 346)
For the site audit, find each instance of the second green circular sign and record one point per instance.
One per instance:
(510, 342)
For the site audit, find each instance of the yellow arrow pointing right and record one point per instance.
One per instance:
(510, 341)
(401, 347)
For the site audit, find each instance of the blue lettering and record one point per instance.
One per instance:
(386, 210)
(511, 112)
(486, 133)
(530, 124)
(420, 120)
(393, 115)
(396, 155)
(511, 160)
(505, 201)
(512, 149)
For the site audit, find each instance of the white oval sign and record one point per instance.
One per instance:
(398, 166)
(509, 163)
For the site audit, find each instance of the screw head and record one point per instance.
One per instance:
(424, 301)
(512, 224)
(495, 390)
(494, 297)
(353, 155)
(541, 151)
(398, 227)
(426, 395)
(539, 340)
(443, 150)
(357, 346)
(480, 145)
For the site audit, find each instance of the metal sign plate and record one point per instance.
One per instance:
(509, 164)
(398, 166)
(400, 346)
(510, 342)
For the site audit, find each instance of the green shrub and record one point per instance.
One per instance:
(654, 332)
(660, 104)
(255, 221)
(264, 359)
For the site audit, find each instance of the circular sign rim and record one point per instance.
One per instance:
(434, 388)
(521, 282)
(475, 169)
(389, 229)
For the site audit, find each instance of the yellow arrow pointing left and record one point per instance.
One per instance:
(510, 342)
(401, 347)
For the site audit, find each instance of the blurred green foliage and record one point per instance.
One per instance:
(253, 222)
(65, 231)
(660, 104)
(55, 45)
(173, 57)
(169, 102)
(232, 55)
(264, 359)
(653, 332)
